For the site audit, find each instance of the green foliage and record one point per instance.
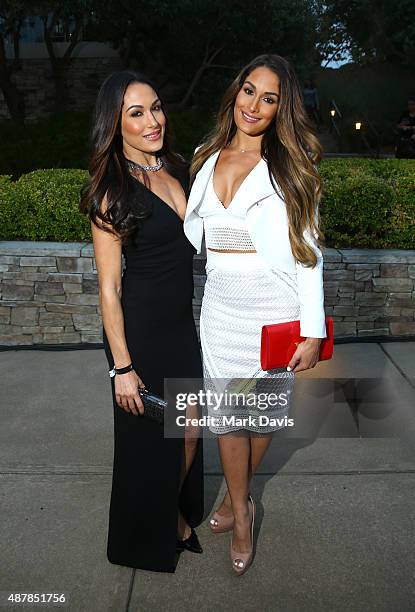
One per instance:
(376, 29)
(43, 205)
(368, 203)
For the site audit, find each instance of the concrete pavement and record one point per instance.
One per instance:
(335, 494)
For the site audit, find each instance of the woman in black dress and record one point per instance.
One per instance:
(136, 200)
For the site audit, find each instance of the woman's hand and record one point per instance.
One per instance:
(126, 392)
(306, 355)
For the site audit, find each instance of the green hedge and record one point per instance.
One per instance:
(366, 203)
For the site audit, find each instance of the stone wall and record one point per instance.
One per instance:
(49, 292)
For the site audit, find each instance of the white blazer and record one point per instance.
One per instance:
(267, 221)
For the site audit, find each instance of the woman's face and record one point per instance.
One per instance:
(257, 101)
(142, 120)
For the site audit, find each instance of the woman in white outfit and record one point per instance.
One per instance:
(255, 197)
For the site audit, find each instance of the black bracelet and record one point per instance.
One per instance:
(115, 370)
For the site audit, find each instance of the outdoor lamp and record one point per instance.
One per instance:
(358, 125)
(333, 112)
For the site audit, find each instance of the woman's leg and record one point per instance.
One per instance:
(191, 437)
(259, 445)
(235, 451)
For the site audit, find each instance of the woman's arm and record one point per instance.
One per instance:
(108, 258)
(312, 316)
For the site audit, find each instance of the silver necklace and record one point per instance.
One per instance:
(135, 166)
(243, 150)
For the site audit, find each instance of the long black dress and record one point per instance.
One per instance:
(157, 291)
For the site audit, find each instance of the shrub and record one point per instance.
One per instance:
(366, 203)
(43, 205)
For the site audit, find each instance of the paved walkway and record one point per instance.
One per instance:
(335, 494)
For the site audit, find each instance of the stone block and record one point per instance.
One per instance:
(16, 339)
(344, 328)
(34, 276)
(378, 256)
(9, 259)
(5, 313)
(346, 311)
(376, 299)
(49, 288)
(86, 322)
(74, 264)
(394, 270)
(55, 318)
(351, 286)
(82, 298)
(39, 248)
(365, 324)
(411, 271)
(384, 331)
(198, 293)
(40, 299)
(62, 338)
(72, 288)
(90, 285)
(404, 300)
(24, 315)
(364, 266)
(38, 261)
(52, 329)
(331, 255)
(71, 308)
(64, 278)
(408, 312)
(331, 288)
(17, 292)
(338, 275)
(91, 338)
(199, 266)
(402, 328)
(30, 329)
(363, 275)
(392, 284)
(18, 281)
(199, 280)
(334, 266)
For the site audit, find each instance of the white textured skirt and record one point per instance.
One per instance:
(241, 295)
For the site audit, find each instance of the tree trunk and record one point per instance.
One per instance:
(12, 96)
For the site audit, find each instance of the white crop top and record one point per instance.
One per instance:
(225, 228)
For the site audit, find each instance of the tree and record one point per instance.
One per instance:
(72, 15)
(190, 46)
(12, 14)
(376, 30)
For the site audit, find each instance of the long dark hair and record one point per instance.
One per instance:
(126, 204)
(290, 147)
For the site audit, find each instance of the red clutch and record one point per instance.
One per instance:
(279, 343)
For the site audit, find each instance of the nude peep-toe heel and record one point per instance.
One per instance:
(221, 524)
(242, 561)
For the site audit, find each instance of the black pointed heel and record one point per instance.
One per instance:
(191, 543)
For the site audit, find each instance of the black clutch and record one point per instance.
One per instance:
(154, 405)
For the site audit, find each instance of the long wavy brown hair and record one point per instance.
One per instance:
(128, 203)
(290, 148)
